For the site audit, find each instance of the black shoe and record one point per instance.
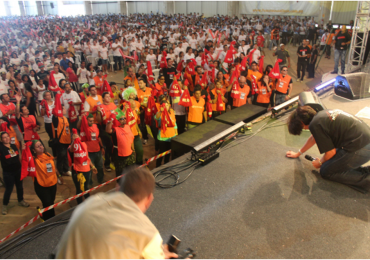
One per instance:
(333, 72)
(342, 72)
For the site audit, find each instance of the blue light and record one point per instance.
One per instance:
(327, 83)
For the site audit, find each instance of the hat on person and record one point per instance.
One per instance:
(281, 44)
(41, 65)
(2, 72)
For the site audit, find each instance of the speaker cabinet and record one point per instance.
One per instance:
(353, 86)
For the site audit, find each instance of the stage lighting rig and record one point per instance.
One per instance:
(286, 104)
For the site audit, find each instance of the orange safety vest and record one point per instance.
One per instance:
(136, 83)
(98, 84)
(214, 106)
(124, 140)
(93, 103)
(13, 137)
(5, 109)
(65, 138)
(85, 166)
(196, 110)
(144, 96)
(170, 131)
(27, 122)
(45, 170)
(242, 100)
(282, 84)
(133, 127)
(263, 95)
(108, 109)
(93, 145)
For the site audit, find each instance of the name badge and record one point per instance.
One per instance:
(67, 130)
(281, 84)
(93, 136)
(264, 91)
(12, 140)
(242, 95)
(98, 103)
(303, 53)
(84, 163)
(49, 167)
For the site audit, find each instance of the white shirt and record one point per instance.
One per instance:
(48, 119)
(58, 77)
(94, 50)
(116, 227)
(104, 53)
(116, 52)
(91, 81)
(83, 78)
(151, 58)
(65, 98)
(40, 91)
(193, 43)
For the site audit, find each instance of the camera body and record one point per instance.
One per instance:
(173, 244)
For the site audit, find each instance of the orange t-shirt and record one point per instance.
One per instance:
(124, 140)
(108, 109)
(93, 145)
(98, 84)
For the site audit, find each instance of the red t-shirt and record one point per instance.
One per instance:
(71, 75)
(260, 40)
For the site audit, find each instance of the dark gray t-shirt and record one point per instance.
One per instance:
(334, 128)
(282, 55)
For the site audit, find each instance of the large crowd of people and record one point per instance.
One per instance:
(178, 72)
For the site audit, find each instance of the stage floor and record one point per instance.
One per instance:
(253, 202)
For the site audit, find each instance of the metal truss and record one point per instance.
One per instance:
(359, 37)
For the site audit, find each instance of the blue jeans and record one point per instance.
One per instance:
(346, 168)
(339, 54)
(272, 42)
(97, 160)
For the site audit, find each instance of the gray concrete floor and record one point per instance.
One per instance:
(17, 216)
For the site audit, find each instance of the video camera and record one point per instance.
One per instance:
(174, 242)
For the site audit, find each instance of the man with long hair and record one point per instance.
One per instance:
(342, 138)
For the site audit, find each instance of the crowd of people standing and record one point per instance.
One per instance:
(56, 68)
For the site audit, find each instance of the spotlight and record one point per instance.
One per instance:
(324, 86)
(219, 136)
(284, 105)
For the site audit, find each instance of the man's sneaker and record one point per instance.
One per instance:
(333, 72)
(67, 173)
(4, 210)
(145, 141)
(298, 80)
(108, 168)
(23, 204)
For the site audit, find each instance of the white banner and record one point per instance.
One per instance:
(295, 8)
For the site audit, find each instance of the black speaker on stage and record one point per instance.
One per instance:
(52, 5)
(310, 98)
(353, 86)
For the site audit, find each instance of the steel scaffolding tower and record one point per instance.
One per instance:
(359, 37)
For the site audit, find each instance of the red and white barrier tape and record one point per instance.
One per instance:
(75, 197)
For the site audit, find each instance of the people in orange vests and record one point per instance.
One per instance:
(165, 134)
(92, 101)
(46, 179)
(197, 111)
(99, 81)
(284, 86)
(264, 91)
(216, 91)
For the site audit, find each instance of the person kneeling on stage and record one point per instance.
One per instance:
(115, 224)
(343, 138)
(123, 144)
